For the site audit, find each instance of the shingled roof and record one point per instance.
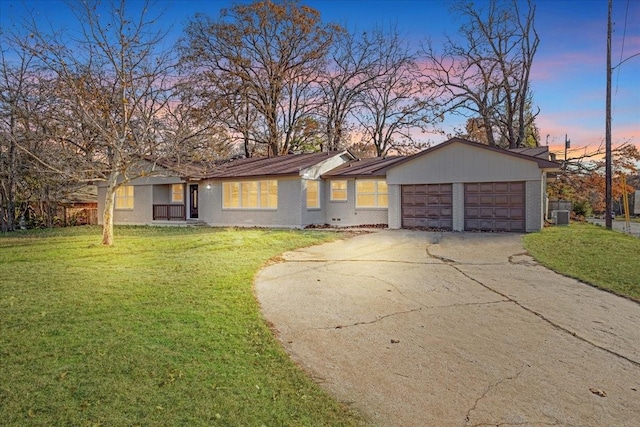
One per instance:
(290, 164)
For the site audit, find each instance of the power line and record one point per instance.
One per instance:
(624, 34)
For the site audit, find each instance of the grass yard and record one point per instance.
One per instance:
(606, 259)
(162, 329)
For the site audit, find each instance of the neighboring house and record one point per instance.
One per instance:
(80, 207)
(457, 185)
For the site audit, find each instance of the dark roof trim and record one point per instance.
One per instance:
(363, 168)
(542, 163)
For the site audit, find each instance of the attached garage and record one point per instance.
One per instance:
(427, 205)
(462, 185)
(495, 206)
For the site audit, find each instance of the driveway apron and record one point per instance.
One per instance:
(454, 329)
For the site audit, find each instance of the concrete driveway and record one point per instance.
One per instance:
(455, 329)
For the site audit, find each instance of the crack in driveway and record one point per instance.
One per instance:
(491, 387)
(454, 264)
(549, 321)
(379, 318)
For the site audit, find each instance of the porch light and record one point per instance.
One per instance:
(208, 186)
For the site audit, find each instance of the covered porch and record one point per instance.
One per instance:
(175, 202)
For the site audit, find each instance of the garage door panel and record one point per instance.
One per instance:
(495, 206)
(517, 187)
(500, 187)
(439, 189)
(440, 223)
(516, 199)
(472, 187)
(502, 200)
(485, 199)
(472, 200)
(516, 213)
(503, 213)
(427, 205)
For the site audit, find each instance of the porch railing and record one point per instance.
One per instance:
(169, 212)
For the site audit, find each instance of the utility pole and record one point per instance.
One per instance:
(608, 162)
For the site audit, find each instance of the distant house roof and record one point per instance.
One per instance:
(541, 152)
(84, 194)
(290, 164)
(359, 168)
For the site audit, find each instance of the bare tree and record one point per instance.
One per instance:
(348, 72)
(395, 102)
(487, 73)
(117, 94)
(269, 53)
(25, 116)
(15, 112)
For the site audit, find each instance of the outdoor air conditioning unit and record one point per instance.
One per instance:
(562, 217)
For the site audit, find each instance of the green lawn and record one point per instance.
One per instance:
(162, 329)
(606, 259)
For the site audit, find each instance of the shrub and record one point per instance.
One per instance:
(582, 208)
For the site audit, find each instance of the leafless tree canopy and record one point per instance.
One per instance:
(111, 97)
(262, 61)
(486, 73)
(396, 101)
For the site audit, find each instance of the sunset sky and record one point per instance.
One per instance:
(569, 73)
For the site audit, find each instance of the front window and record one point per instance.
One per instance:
(338, 190)
(372, 193)
(250, 195)
(124, 197)
(313, 194)
(177, 193)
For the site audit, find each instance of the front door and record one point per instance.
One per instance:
(193, 201)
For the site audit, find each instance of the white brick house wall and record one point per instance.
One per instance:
(345, 213)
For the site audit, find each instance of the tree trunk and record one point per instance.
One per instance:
(488, 128)
(107, 214)
(12, 185)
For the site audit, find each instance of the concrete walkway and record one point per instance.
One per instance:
(455, 329)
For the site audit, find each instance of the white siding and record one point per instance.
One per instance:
(534, 205)
(345, 213)
(142, 212)
(463, 163)
(458, 206)
(144, 196)
(313, 215)
(395, 206)
(287, 215)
